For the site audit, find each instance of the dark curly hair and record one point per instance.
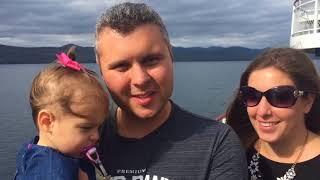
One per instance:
(300, 69)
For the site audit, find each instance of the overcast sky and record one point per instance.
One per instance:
(204, 23)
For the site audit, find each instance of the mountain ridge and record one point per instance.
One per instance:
(44, 55)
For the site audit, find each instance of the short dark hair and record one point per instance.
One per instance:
(125, 17)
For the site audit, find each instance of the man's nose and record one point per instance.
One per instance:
(139, 76)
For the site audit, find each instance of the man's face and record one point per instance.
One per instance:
(137, 68)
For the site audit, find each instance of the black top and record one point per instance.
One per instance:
(186, 146)
(269, 170)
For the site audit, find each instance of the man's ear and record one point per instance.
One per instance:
(97, 60)
(97, 56)
(45, 121)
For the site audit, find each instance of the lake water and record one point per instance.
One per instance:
(201, 87)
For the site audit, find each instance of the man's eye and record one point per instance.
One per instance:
(121, 67)
(152, 61)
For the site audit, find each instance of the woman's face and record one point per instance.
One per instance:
(274, 124)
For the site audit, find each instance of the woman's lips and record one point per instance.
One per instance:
(267, 126)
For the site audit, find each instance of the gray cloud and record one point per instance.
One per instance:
(249, 23)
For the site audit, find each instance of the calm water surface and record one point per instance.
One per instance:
(201, 87)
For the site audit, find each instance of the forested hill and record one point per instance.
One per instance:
(43, 55)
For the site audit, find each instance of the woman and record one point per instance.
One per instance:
(276, 113)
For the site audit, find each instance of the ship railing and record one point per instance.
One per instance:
(300, 3)
(303, 32)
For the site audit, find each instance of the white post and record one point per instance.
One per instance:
(316, 18)
(292, 20)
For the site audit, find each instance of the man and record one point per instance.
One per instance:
(149, 137)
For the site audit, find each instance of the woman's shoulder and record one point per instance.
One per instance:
(313, 161)
(312, 149)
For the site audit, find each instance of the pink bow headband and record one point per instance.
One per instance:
(65, 61)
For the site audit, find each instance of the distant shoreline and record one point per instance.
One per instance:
(174, 61)
(45, 55)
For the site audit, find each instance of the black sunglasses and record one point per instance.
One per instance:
(279, 96)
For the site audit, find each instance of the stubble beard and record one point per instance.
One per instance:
(129, 113)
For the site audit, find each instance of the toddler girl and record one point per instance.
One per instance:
(68, 105)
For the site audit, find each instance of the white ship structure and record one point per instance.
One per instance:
(305, 26)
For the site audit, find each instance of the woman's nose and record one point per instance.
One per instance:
(263, 108)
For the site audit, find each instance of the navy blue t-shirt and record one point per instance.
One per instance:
(186, 146)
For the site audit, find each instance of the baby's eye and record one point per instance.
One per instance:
(85, 128)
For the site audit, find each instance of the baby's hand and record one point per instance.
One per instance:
(83, 175)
